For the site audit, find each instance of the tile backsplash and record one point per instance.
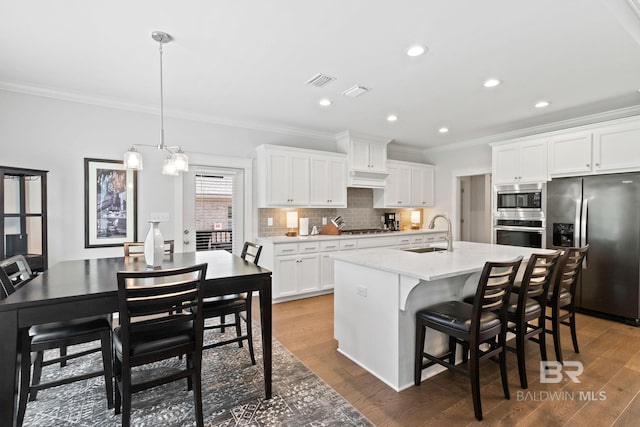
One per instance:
(359, 213)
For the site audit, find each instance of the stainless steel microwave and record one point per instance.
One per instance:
(520, 198)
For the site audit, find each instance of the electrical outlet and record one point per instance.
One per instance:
(361, 290)
(270, 222)
(159, 216)
(324, 220)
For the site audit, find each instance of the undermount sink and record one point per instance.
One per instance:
(423, 250)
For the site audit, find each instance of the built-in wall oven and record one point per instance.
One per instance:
(519, 215)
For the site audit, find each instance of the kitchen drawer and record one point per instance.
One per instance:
(404, 240)
(332, 245)
(348, 244)
(435, 237)
(417, 239)
(285, 249)
(308, 247)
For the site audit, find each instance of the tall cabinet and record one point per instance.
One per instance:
(23, 215)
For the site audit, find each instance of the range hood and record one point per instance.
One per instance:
(366, 179)
(366, 159)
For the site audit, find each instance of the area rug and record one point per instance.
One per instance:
(233, 394)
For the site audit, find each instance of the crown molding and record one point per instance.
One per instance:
(138, 108)
(590, 119)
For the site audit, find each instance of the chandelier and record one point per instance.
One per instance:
(177, 161)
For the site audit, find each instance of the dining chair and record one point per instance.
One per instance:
(235, 305)
(561, 299)
(149, 332)
(15, 273)
(474, 326)
(136, 249)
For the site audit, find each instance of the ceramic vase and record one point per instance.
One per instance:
(154, 245)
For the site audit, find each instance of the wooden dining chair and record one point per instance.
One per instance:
(472, 326)
(149, 332)
(236, 305)
(15, 273)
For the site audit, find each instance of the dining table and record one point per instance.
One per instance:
(88, 287)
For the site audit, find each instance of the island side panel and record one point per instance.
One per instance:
(366, 318)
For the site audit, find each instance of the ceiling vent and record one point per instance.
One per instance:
(356, 91)
(320, 80)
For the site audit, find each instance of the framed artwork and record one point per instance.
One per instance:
(110, 204)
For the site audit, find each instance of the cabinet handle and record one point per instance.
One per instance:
(330, 247)
(588, 165)
(288, 250)
(597, 165)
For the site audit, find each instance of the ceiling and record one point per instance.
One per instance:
(245, 63)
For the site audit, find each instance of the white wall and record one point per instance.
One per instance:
(450, 163)
(56, 135)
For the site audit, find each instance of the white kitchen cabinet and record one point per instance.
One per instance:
(520, 162)
(570, 154)
(616, 148)
(328, 177)
(366, 159)
(283, 177)
(368, 156)
(398, 191)
(408, 185)
(296, 274)
(422, 185)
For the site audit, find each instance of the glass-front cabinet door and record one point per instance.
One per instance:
(23, 219)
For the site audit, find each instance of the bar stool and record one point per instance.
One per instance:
(471, 325)
(562, 299)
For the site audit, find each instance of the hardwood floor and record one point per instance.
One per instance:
(609, 351)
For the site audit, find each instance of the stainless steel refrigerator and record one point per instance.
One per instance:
(603, 211)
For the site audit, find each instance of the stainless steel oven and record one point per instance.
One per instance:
(520, 232)
(519, 212)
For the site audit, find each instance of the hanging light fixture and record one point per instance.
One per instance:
(177, 161)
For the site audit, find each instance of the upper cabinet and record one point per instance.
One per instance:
(520, 162)
(570, 154)
(288, 176)
(366, 159)
(606, 149)
(283, 177)
(408, 185)
(328, 175)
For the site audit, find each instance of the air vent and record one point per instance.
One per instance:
(356, 91)
(320, 80)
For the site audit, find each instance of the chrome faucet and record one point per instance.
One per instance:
(449, 237)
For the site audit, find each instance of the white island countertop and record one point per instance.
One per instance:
(467, 257)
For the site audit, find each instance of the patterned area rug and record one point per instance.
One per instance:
(233, 394)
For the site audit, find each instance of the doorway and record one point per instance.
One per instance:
(472, 206)
(214, 211)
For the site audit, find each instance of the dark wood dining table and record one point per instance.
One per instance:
(88, 287)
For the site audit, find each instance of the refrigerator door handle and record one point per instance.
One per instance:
(576, 229)
(583, 229)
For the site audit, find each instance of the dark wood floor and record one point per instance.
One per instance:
(610, 352)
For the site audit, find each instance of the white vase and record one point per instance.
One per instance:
(154, 245)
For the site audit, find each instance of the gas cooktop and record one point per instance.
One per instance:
(365, 231)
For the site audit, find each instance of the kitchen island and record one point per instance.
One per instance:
(377, 293)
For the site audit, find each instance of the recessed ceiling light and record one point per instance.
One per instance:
(443, 130)
(492, 83)
(416, 50)
(542, 104)
(325, 102)
(392, 118)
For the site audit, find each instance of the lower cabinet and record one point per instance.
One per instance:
(296, 274)
(305, 268)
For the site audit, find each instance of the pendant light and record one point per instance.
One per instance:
(177, 161)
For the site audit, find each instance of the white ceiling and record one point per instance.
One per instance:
(245, 62)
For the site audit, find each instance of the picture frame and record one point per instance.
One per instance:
(110, 204)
